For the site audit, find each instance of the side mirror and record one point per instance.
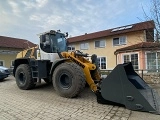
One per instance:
(42, 39)
(67, 43)
(66, 35)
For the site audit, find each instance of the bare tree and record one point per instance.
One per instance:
(155, 12)
(154, 15)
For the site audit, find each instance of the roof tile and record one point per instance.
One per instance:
(135, 27)
(15, 43)
(142, 45)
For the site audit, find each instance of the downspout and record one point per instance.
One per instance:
(116, 56)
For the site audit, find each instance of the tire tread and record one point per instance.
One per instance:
(80, 75)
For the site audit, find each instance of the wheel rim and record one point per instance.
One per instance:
(22, 78)
(65, 81)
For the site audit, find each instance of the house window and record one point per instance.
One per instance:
(133, 58)
(102, 62)
(100, 43)
(71, 48)
(84, 46)
(126, 58)
(119, 41)
(1, 63)
(153, 62)
(12, 63)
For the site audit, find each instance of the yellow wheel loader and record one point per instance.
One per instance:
(69, 72)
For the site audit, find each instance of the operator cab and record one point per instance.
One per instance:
(53, 42)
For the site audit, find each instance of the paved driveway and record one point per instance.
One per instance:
(42, 103)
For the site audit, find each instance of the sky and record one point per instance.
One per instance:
(25, 19)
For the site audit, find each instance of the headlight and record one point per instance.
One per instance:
(3, 71)
(6, 71)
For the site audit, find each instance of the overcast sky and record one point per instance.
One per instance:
(26, 18)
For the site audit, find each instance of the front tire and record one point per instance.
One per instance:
(68, 79)
(23, 77)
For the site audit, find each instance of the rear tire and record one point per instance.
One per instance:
(68, 80)
(23, 77)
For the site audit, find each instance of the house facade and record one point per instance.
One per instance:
(109, 44)
(9, 47)
(144, 55)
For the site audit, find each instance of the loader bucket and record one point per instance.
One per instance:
(124, 86)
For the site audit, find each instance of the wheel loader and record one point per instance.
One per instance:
(69, 72)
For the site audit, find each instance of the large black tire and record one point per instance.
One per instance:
(24, 78)
(68, 80)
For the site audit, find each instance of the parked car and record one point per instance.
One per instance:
(4, 72)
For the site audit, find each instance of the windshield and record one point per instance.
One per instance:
(58, 43)
(53, 43)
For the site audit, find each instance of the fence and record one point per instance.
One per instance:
(150, 76)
